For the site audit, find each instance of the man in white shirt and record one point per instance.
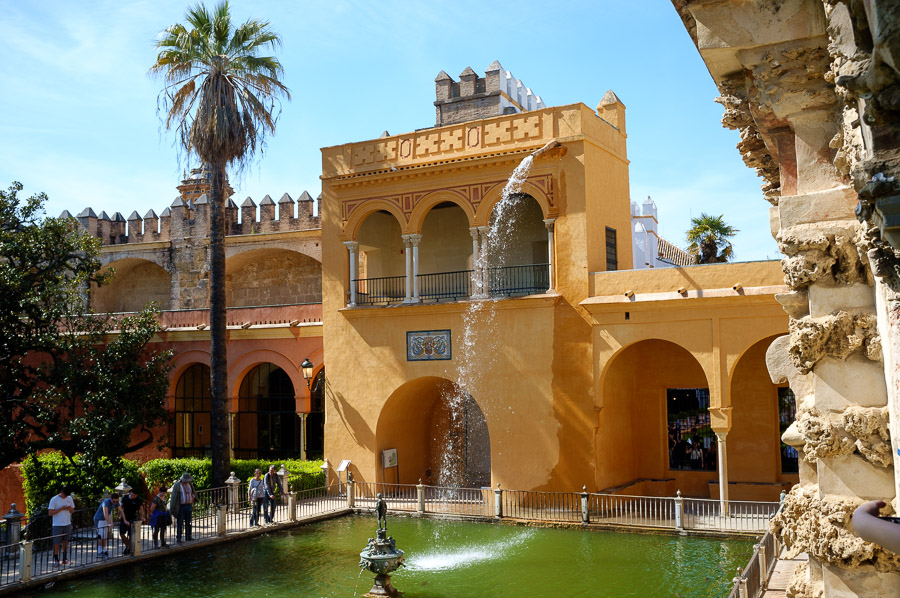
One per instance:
(61, 508)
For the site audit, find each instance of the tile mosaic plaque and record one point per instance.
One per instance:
(428, 345)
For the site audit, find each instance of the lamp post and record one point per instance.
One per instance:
(307, 367)
(123, 488)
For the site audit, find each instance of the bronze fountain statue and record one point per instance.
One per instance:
(381, 555)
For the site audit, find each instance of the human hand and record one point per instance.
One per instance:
(873, 507)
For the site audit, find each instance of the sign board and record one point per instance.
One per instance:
(343, 466)
(389, 458)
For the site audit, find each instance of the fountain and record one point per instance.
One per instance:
(381, 555)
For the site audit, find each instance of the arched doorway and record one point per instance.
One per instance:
(440, 434)
(191, 433)
(267, 424)
(517, 251)
(315, 419)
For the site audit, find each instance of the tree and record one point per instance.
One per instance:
(69, 380)
(709, 239)
(220, 95)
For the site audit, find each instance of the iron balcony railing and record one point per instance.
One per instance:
(502, 281)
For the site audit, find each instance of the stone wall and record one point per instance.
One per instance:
(475, 98)
(274, 278)
(812, 87)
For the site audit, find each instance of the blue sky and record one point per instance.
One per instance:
(78, 117)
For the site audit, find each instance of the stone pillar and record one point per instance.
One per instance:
(234, 485)
(414, 241)
(498, 502)
(221, 514)
(585, 510)
(351, 491)
(136, 537)
(420, 497)
(483, 258)
(476, 262)
(352, 248)
(292, 506)
(14, 524)
(407, 253)
(549, 223)
(25, 558)
(723, 473)
(679, 511)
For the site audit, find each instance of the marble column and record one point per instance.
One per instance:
(414, 240)
(353, 249)
(407, 245)
(549, 224)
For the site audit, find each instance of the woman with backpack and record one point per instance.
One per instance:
(160, 518)
(257, 491)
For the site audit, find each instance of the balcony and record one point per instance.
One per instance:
(505, 281)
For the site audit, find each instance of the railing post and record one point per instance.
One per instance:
(498, 502)
(736, 582)
(25, 560)
(292, 506)
(420, 497)
(220, 519)
(351, 491)
(679, 511)
(136, 537)
(585, 515)
(234, 501)
(763, 569)
(745, 593)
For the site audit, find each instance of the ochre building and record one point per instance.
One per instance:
(478, 339)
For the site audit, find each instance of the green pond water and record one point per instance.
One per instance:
(443, 559)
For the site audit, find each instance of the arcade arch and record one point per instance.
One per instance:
(191, 432)
(266, 424)
(272, 277)
(440, 434)
(136, 283)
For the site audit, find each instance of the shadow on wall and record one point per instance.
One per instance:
(353, 421)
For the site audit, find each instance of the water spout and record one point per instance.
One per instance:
(553, 144)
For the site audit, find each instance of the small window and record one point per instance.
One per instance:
(612, 260)
(787, 412)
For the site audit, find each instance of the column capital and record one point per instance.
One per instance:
(720, 419)
(549, 222)
(352, 246)
(415, 239)
(483, 229)
(473, 230)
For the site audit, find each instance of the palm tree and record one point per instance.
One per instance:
(709, 239)
(221, 97)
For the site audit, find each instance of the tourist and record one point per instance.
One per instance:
(103, 519)
(271, 483)
(61, 508)
(160, 518)
(870, 527)
(696, 454)
(128, 512)
(257, 493)
(181, 502)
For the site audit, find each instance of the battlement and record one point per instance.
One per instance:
(190, 219)
(474, 97)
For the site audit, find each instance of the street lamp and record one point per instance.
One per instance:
(307, 367)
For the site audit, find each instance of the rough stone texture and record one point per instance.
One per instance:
(838, 335)
(817, 254)
(857, 430)
(821, 527)
(801, 586)
(282, 278)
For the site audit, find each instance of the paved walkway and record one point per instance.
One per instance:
(781, 575)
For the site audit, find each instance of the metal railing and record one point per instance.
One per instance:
(387, 289)
(751, 581)
(636, 511)
(530, 279)
(503, 281)
(739, 516)
(216, 512)
(564, 507)
(445, 285)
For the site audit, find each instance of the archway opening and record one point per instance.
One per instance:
(136, 283)
(382, 264)
(266, 424)
(272, 277)
(654, 435)
(761, 411)
(445, 254)
(439, 433)
(191, 432)
(517, 251)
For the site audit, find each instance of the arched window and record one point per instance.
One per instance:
(266, 424)
(192, 397)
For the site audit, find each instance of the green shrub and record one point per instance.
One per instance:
(159, 472)
(45, 475)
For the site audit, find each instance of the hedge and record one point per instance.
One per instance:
(162, 472)
(44, 476)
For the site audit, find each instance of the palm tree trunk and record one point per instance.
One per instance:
(220, 445)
